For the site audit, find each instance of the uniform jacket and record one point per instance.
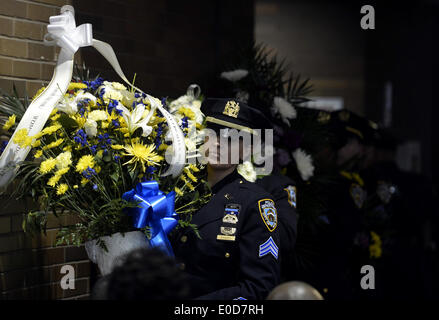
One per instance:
(244, 268)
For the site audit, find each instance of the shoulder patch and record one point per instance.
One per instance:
(268, 213)
(291, 192)
(358, 194)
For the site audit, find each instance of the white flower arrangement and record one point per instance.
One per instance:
(304, 164)
(284, 109)
(234, 75)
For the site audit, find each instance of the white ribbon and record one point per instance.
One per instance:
(63, 32)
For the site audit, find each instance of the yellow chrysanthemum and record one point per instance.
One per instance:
(143, 154)
(75, 186)
(38, 154)
(190, 186)
(76, 85)
(187, 112)
(53, 144)
(85, 162)
(54, 180)
(79, 120)
(54, 111)
(193, 168)
(62, 188)
(36, 144)
(105, 125)
(190, 175)
(55, 117)
(62, 172)
(47, 165)
(67, 148)
(84, 181)
(117, 147)
(178, 191)
(375, 249)
(53, 128)
(38, 93)
(20, 136)
(10, 122)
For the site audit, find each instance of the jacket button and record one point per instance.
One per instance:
(183, 239)
(227, 255)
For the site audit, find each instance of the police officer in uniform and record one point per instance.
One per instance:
(237, 253)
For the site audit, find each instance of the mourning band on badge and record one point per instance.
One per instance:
(268, 213)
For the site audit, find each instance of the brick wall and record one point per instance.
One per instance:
(169, 44)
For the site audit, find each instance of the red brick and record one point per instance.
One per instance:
(49, 256)
(13, 279)
(6, 66)
(6, 26)
(40, 12)
(13, 8)
(29, 30)
(58, 3)
(41, 52)
(26, 69)
(13, 48)
(5, 224)
(74, 253)
(32, 87)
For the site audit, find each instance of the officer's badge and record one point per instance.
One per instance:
(323, 117)
(385, 191)
(291, 191)
(230, 219)
(268, 247)
(228, 231)
(268, 213)
(358, 194)
(231, 109)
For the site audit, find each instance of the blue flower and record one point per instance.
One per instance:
(93, 85)
(93, 149)
(151, 170)
(81, 137)
(3, 146)
(95, 187)
(116, 158)
(115, 123)
(89, 173)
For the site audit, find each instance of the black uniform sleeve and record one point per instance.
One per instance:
(259, 271)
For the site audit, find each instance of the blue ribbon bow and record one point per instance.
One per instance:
(156, 212)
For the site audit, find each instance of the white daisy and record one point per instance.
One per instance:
(284, 109)
(234, 75)
(304, 164)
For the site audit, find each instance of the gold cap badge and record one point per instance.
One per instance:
(231, 109)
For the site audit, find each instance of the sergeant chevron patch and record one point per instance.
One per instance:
(268, 247)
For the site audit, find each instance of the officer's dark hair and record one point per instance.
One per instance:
(147, 274)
